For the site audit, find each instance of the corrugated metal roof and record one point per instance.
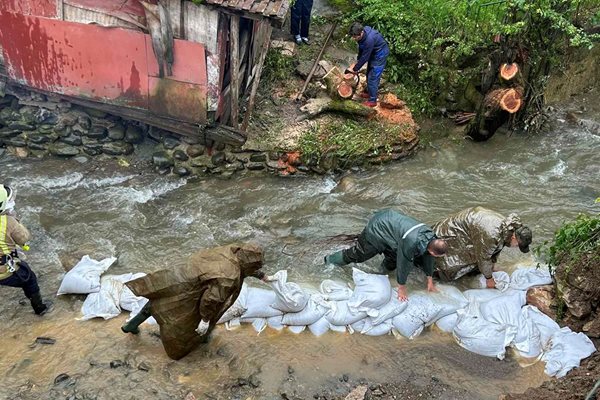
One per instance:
(273, 9)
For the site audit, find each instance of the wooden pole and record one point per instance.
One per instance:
(264, 48)
(314, 67)
(234, 51)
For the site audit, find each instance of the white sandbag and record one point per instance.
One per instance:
(371, 291)
(567, 349)
(364, 327)
(320, 327)
(505, 311)
(290, 296)
(335, 291)
(105, 303)
(313, 311)
(501, 279)
(546, 325)
(128, 301)
(447, 323)
(297, 329)
(448, 298)
(339, 314)
(524, 278)
(477, 335)
(257, 303)
(337, 328)
(259, 324)
(235, 311)
(275, 322)
(530, 344)
(388, 310)
(233, 324)
(481, 294)
(84, 278)
(421, 311)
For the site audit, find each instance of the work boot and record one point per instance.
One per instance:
(135, 322)
(336, 258)
(39, 306)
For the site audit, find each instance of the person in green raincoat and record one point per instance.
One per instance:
(475, 237)
(404, 242)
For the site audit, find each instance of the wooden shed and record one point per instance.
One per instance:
(168, 63)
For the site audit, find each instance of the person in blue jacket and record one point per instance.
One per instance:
(404, 242)
(374, 50)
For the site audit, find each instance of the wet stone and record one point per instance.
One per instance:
(84, 121)
(117, 148)
(134, 134)
(66, 132)
(72, 140)
(303, 168)
(17, 141)
(155, 134)
(181, 171)
(97, 132)
(274, 155)
(63, 150)
(61, 378)
(255, 166)
(190, 139)
(116, 363)
(202, 161)
(22, 126)
(218, 158)
(116, 132)
(46, 128)
(8, 132)
(37, 146)
(143, 367)
(92, 150)
(220, 146)
(44, 116)
(79, 130)
(180, 155)
(81, 159)
(195, 150)
(170, 142)
(162, 159)
(258, 158)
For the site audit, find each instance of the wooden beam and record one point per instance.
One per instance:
(234, 52)
(176, 15)
(264, 48)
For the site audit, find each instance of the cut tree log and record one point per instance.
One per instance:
(509, 71)
(340, 86)
(317, 106)
(509, 100)
(345, 90)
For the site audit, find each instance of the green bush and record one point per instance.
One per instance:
(278, 67)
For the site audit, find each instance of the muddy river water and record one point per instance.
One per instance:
(149, 221)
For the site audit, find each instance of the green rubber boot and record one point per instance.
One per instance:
(336, 258)
(135, 322)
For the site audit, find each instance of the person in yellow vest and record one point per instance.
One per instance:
(13, 271)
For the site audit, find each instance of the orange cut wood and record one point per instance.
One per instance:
(509, 71)
(511, 101)
(345, 91)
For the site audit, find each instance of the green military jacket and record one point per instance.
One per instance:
(475, 237)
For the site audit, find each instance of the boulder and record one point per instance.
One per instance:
(72, 140)
(218, 158)
(181, 171)
(134, 134)
(37, 146)
(258, 157)
(255, 166)
(162, 160)
(155, 134)
(63, 150)
(46, 128)
(97, 132)
(170, 142)
(180, 155)
(116, 132)
(592, 327)
(195, 150)
(43, 116)
(17, 141)
(21, 125)
(117, 148)
(544, 298)
(92, 150)
(8, 132)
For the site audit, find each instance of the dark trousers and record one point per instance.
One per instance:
(374, 71)
(23, 278)
(300, 18)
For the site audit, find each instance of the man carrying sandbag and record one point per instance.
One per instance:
(187, 302)
(402, 240)
(15, 272)
(475, 238)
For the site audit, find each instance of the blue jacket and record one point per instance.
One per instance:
(372, 46)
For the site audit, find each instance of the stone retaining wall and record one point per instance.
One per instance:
(35, 125)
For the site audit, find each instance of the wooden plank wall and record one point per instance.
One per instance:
(200, 24)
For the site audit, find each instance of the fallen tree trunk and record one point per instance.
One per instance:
(339, 86)
(315, 107)
(509, 100)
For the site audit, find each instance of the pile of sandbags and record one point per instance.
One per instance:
(484, 321)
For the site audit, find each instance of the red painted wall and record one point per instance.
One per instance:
(111, 65)
(42, 8)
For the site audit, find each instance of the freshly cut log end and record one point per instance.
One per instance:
(509, 71)
(351, 79)
(345, 91)
(511, 101)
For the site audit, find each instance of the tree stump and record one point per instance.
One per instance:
(508, 99)
(509, 71)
